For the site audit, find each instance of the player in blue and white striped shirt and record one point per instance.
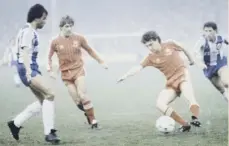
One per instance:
(27, 43)
(211, 57)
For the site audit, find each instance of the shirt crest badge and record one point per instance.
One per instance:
(61, 47)
(168, 52)
(157, 60)
(75, 44)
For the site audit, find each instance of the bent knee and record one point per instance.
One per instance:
(164, 108)
(221, 89)
(161, 106)
(50, 96)
(225, 82)
(87, 104)
(82, 94)
(224, 79)
(223, 73)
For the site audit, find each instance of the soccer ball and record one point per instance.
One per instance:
(165, 124)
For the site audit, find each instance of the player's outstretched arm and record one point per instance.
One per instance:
(189, 56)
(134, 70)
(185, 51)
(50, 65)
(93, 53)
(198, 55)
(50, 55)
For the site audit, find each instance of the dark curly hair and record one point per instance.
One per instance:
(150, 35)
(212, 25)
(36, 12)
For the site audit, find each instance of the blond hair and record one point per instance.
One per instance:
(66, 20)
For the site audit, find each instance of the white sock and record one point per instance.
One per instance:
(93, 122)
(30, 111)
(225, 95)
(48, 115)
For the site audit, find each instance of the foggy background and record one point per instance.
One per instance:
(114, 27)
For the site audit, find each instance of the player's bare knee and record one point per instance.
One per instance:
(224, 79)
(168, 111)
(40, 98)
(87, 104)
(225, 82)
(50, 96)
(82, 94)
(223, 73)
(161, 107)
(221, 90)
(84, 99)
(164, 108)
(76, 100)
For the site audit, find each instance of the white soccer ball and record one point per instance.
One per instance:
(165, 124)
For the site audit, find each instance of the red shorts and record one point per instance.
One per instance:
(72, 75)
(175, 81)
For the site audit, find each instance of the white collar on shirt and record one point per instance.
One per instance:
(30, 26)
(211, 41)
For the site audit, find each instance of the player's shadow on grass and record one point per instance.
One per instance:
(12, 142)
(76, 143)
(183, 134)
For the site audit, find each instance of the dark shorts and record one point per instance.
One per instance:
(212, 71)
(22, 73)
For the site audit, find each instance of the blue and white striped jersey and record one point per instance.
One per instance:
(209, 52)
(27, 37)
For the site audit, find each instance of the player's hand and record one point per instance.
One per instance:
(28, 76)
(121, 79)
(191, 63)
(104, 65)
(202, 66)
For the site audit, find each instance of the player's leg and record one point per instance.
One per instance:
(188, 92)
(30, 111)
(87, 105)
(165, 97)
(72, 89)
(39, 84)
(217, 83)
(223, 74)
